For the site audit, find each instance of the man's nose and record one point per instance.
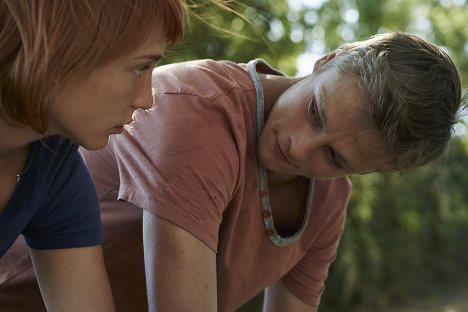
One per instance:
(305, 145)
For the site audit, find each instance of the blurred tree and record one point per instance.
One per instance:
(279, 31)
(259, 29)
(442, 22)
(405, 236)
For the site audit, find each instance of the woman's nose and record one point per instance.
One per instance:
(144, 101)
(144, 97)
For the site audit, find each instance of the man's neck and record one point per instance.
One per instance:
(273, 87)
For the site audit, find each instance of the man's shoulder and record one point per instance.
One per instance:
(334, 190)
(206, 78)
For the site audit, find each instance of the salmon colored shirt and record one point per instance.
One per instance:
(192, 160)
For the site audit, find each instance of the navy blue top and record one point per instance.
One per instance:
(55, 203)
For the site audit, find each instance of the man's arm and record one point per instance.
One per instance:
(278, 299)
(180, 269)
(73, 279)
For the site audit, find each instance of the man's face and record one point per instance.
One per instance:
(313, 130)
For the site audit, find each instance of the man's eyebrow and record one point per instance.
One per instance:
(340, 159)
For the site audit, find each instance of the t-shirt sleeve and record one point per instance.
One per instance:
(70, 216)
(180, 162)
(306, 279)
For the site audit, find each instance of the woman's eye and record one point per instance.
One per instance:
(140, 71)
(313, 113)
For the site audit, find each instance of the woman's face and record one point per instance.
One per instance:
(89, 109)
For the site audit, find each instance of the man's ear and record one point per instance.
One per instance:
(324, 59)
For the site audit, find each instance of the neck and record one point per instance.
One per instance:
(14, 148)
(273, 87)
(14, 137)
(276, 179)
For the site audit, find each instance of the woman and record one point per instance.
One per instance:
(71, 72)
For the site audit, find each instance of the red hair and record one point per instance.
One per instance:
(48, 41)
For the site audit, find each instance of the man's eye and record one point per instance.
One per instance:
(313, 113)
(333, 158)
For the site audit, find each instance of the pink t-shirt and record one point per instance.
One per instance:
(192, 160)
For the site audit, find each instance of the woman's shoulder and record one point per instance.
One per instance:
(56, 157)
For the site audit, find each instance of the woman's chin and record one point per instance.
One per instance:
(95, 143)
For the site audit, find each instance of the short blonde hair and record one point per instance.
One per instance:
(413, 92)
(48, 41)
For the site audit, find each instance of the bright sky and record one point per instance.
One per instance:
(297, 4)
(305, 61)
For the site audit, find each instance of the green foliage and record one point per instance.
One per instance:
(274, 31)
(410, 244)
(258, 30)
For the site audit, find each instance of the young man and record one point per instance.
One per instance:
(238, 176)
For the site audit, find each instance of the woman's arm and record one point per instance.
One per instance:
(180, 269)
(278, 299)
(73, 279)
